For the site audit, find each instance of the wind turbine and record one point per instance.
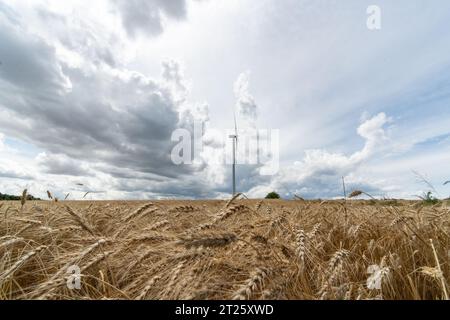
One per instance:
(235, 144)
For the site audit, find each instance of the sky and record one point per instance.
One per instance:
(93, 95)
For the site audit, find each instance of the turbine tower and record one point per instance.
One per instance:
(235, 144)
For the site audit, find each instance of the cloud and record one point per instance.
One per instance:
(246, 105)
(12, 165)
(79, 38)
(76, 86)
(106, 115)
(173, 76)
(108, 126)
(14, 174)
(61, 164)
(323, 163)
(147, 16)
(2, 143)
(319, 173)
(28, 63)
(371, 130)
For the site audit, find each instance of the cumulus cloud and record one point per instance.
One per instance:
(147, 16)
(372, 131)
(246, 104)
(319, 173)
(174, 78)
(114, 118)
(78, 38)
(323, 163)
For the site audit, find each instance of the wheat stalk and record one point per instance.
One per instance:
(27, 221)
(258, 205)
(11, 242)
(184, 209)
(300, 246)
(80, 257)
(81, 221)
(314, 230)
(57, 280)
(157, 225)
(147, 288)
(173, 279)
(438, 266)
(255, 282)
(23, 198)
(338, 259)
(237, 195)
(151, 237)
(96, 260)
(9, 272)
(138, 211)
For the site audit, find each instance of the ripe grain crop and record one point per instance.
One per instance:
(235, 249)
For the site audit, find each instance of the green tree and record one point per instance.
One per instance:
(273, 195)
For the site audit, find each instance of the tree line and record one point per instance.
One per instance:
(8, 197)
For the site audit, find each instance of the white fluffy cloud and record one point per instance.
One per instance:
(246, 105)
(320, 171)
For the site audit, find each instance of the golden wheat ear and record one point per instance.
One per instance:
(23, 199)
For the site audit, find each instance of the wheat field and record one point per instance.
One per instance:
(236, 249)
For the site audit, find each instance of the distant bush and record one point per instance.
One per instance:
(429, 199)
(273, 195)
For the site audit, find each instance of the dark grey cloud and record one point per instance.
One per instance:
(62, 165)
(146, 16)
(26, 70)
(184, 187)
(114, 117)
(96, 122)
